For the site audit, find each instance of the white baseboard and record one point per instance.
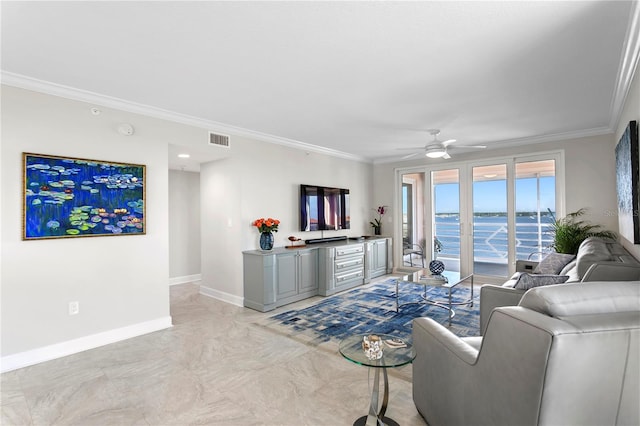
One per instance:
(185, 279)
(221, 295)
(58, 350)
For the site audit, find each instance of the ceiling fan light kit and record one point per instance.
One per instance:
(435, 151)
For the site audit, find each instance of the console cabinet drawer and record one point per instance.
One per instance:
(349, 250)
(349, 263)
(349, 276)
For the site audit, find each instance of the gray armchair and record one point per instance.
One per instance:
(568, 354)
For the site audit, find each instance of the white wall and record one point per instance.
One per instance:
(184, 226)
(262, 180)
(630, 112)
(120, 282)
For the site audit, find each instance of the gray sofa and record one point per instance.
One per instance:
(597, 260)
(567, 355)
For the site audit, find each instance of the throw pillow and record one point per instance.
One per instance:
(553, 263)
(527, 281)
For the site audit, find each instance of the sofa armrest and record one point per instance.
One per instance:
(434, 345)
(427, 329)
(493, 296)
(612, 271)
(526, 265)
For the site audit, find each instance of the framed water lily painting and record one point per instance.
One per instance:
(66, 197)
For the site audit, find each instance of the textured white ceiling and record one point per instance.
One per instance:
(362, 78)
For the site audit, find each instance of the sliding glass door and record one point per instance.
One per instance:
(445, 193)
(483, 215)
(535, 207)
(490, 228)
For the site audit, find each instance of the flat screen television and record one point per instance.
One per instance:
(323, 208)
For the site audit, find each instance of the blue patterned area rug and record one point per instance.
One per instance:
(372, 309)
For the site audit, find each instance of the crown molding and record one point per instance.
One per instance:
(555, 137)
(628, 65)
(42, 86)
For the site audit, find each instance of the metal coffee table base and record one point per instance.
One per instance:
(444, 304)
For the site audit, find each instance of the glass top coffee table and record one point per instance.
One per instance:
(447, 280)
(395, 353)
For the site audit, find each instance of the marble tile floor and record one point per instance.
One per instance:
(213, 367)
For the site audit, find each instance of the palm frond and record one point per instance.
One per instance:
(569, 233)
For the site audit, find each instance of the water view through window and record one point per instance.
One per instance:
(534, 211)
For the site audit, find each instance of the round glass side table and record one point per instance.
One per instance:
(395, 353)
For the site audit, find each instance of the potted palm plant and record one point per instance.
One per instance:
(569, 232)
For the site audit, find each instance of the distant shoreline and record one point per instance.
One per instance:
(544, 214)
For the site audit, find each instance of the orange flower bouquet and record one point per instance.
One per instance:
(266, 225)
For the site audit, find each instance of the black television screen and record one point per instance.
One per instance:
(323, 208)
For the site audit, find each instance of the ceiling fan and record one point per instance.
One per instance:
(437, 148)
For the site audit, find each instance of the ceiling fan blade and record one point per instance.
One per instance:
(448, 142)
(412, 149)
(446, 156)
(468, 146)
(409, 156)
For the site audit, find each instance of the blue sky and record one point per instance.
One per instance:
(491, 196)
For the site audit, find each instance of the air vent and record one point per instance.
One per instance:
(219, 140)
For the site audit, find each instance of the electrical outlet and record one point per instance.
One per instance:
(74, 308)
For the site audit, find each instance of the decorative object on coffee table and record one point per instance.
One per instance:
(436, 267)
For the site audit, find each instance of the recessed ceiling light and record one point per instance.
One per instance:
(183, 156)
(491, 175)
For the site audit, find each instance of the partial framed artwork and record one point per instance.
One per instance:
(67, 197)
(627, 177)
